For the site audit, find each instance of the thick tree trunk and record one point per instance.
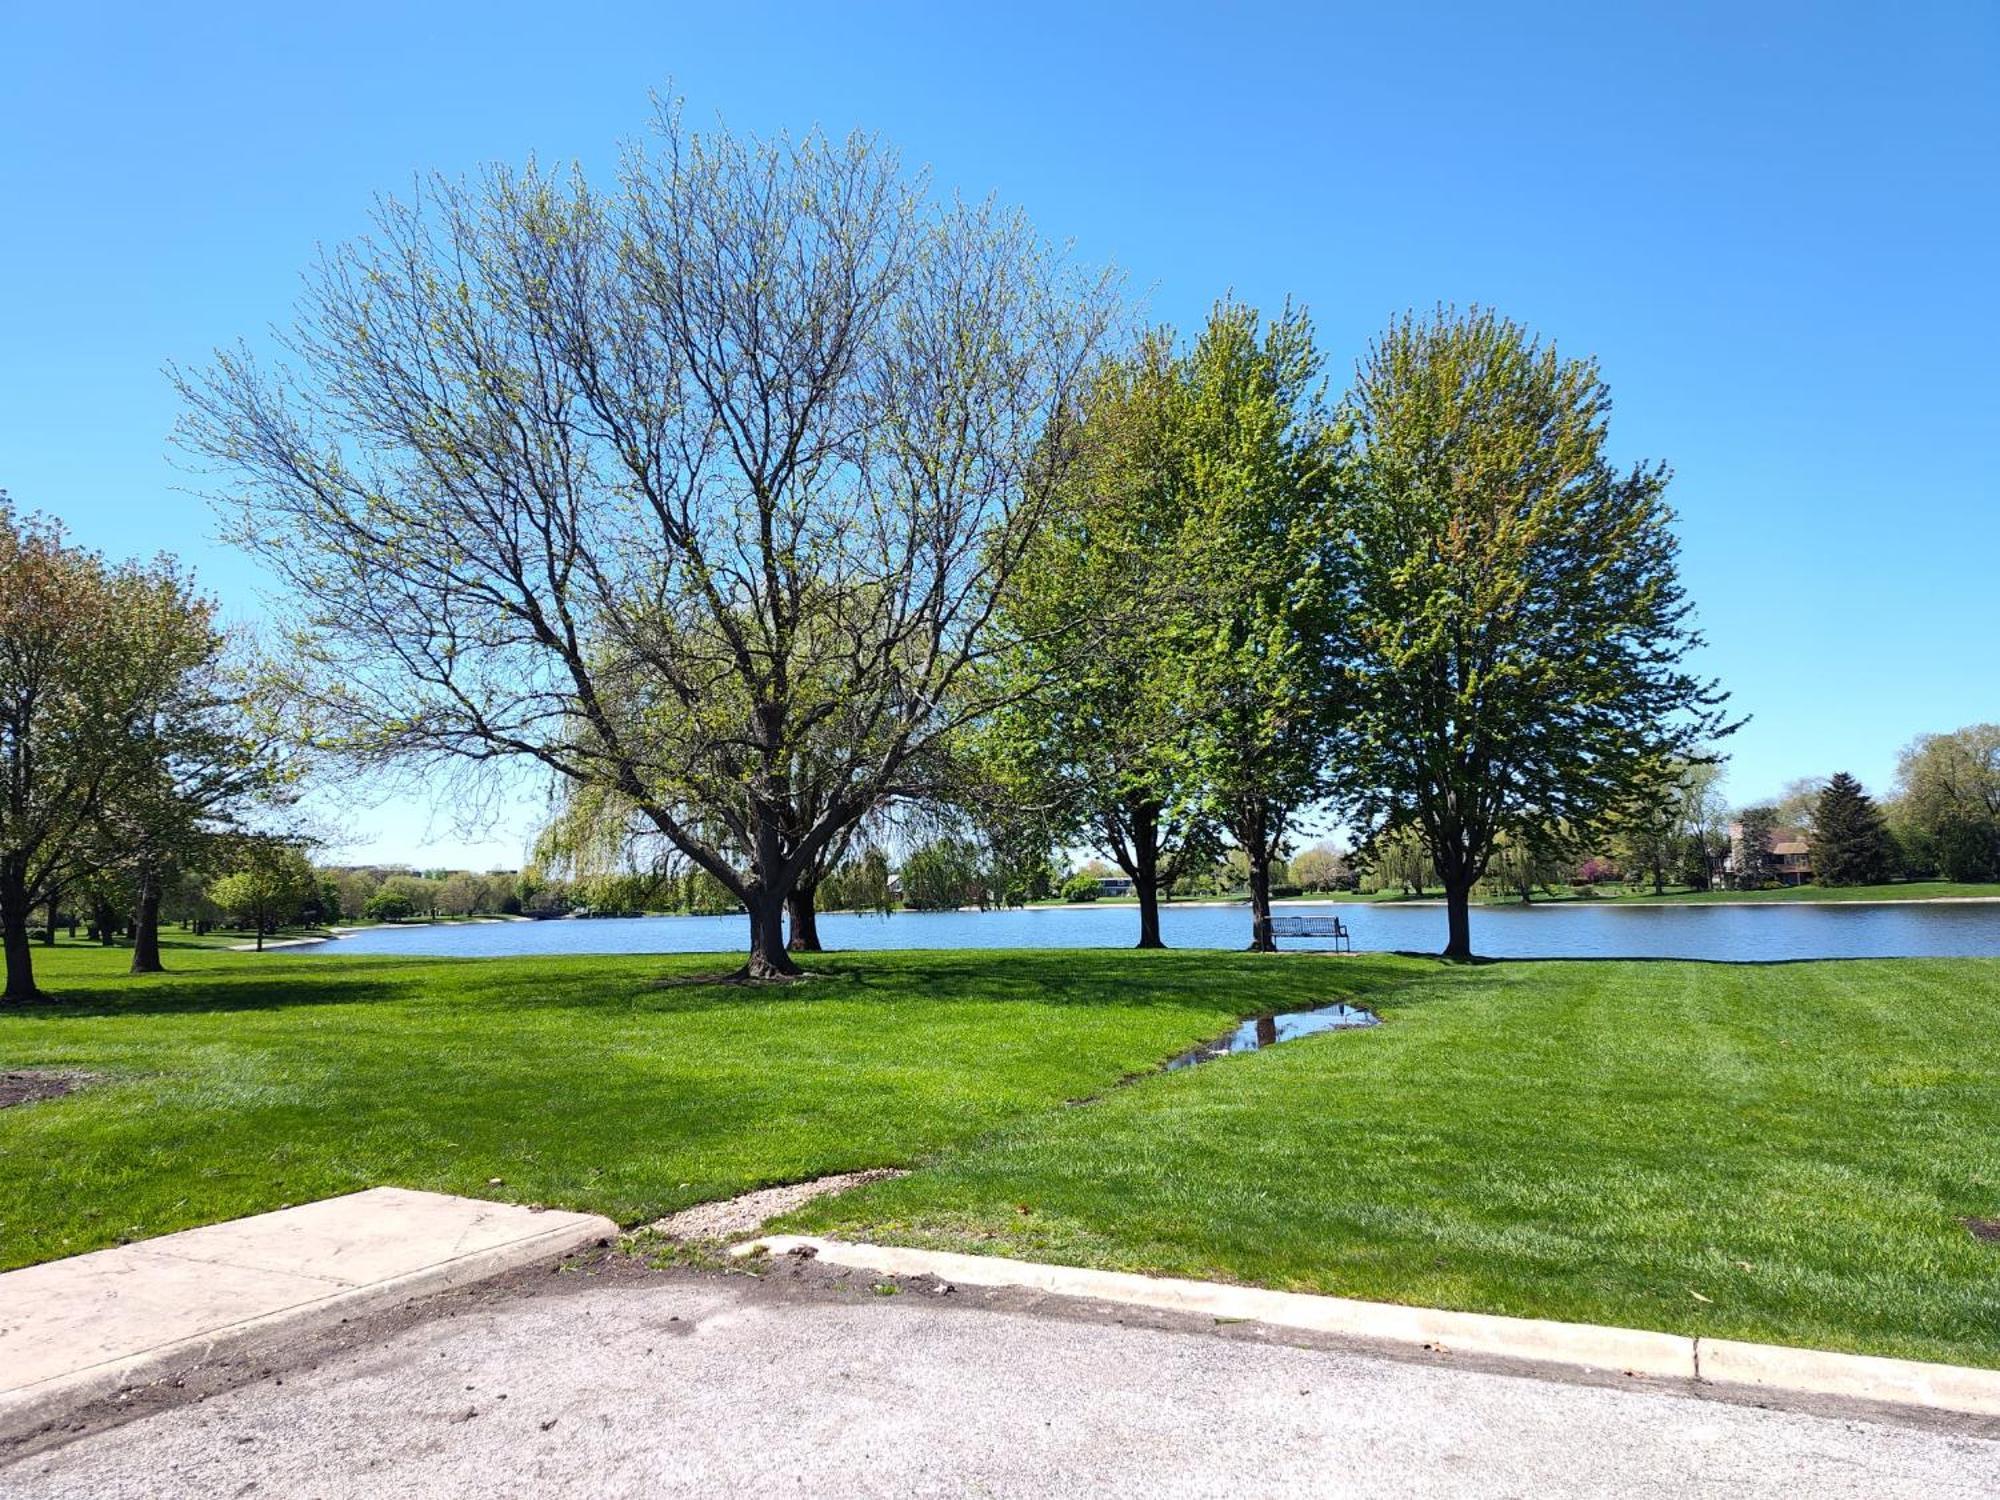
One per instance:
(14, 929)
(1148, 890)
(1261, 938)
(1145, 873)
(768, 956)
(1458, 919)
(1253, 823)
(804, 909)
(146, 923)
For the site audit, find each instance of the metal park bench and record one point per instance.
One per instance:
(1319, 927)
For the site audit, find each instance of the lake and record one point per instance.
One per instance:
(1759, 933)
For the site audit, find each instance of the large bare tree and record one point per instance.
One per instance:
(665, 489)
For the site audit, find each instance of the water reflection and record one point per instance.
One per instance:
(1268, 1031)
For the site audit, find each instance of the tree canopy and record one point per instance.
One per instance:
(1177, 641)
(664, 488)
(1522, 629)
(1947, 807)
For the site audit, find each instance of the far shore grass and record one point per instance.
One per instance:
(1779, 1152)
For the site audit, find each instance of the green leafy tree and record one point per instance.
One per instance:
(1672, 827)
(1523, 867)
(209, 758)
(1522, 627)
(943, 875)
(87, 651)
(387, 905)
(1946, 812)
(1177, 633)
(1850, 842)
(1082, 886)
(421, 893)
(271, 881)
(461, 893)
(1093, 737)
(1321, 868)
(1398, 859)
(860, 884)
(1261, 627)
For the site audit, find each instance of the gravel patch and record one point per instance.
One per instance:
(730, 1218)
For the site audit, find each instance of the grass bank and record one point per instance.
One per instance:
(1782, 1152)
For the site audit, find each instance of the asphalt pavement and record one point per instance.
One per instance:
(685, 1383)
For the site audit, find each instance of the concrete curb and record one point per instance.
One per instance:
(1583, 1346)
(116, 1292)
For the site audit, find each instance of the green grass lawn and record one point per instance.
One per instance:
(1597, 1141)
(241, 1082)
(1603, 1142)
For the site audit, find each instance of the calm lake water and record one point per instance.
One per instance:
(1730, 933)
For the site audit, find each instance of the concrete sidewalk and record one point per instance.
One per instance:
(81, 1330)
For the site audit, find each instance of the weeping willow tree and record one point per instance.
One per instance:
(661, 486)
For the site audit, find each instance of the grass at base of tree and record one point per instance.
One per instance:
(1612, 1142)
(1783, 1153)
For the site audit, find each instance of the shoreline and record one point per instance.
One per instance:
(334, 934)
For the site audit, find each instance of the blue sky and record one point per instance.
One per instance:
(1775, 224)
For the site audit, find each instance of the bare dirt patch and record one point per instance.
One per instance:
(730, 1218)
(28, 1087)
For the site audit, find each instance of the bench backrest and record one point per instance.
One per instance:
(1306, 927)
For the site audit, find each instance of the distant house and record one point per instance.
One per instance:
(1114, 885)
(1789, 859)
(1793, 857)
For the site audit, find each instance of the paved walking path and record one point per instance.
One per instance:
(81, 1329)
(680, 1384)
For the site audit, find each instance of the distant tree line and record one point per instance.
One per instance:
(1941, 819)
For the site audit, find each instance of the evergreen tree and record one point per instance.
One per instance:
(1850, 841)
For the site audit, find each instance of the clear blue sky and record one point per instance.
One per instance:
(1774, 223)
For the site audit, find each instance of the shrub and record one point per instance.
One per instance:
(1081, 888)
(389, 906)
